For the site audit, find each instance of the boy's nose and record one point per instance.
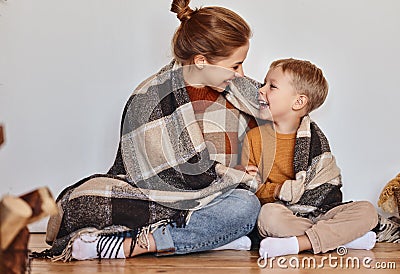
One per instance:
(262, 95)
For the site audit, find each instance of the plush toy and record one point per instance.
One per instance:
(388, 229)
(389, 200)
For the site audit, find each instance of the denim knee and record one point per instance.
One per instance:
(219, 223)
(247, 207)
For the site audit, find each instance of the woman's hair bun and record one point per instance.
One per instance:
(182, 9)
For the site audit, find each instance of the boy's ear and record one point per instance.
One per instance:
(300, 102)
(199, 61)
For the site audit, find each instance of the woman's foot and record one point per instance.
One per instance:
(89, 246)
(243, 243)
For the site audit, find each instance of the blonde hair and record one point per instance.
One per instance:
(214, 32)
(307, 79)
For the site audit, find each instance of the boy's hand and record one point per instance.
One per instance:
(277, 191)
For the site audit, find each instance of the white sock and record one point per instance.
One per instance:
(367, 241)
(85, 247)
(243, 243)
(273, 247)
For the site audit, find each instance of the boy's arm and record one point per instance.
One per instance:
(248, 161)
(268, 192)
(321, 188)
(292, 190)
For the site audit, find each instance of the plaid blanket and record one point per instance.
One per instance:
(316, 188)
(164, 168)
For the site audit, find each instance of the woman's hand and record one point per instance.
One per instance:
(253, 171)
(240, 167)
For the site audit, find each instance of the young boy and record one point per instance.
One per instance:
(302, 206)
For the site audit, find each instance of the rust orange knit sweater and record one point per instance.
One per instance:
(202, 98)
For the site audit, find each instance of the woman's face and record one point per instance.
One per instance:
(217, 74)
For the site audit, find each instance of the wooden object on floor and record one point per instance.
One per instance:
(41, 202)
(14, 259)
(15, 214)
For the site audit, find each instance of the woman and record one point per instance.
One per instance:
(171, 189)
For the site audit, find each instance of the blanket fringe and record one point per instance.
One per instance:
(143, 236)
(66, 255)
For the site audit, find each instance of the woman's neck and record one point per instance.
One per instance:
(192, 77)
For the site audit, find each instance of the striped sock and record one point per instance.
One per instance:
(89, 246)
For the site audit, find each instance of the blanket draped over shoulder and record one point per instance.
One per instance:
(164, 168)
(316, 188)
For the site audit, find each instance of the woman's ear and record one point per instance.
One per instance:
(199, 61)
(300, 102)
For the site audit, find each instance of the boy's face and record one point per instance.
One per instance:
(277, 94)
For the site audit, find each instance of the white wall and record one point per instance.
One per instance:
(67, 68)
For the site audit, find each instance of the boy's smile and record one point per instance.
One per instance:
(277, 93)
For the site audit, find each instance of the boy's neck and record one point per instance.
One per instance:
(287, 127)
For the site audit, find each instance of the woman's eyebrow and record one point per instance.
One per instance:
(239, 63)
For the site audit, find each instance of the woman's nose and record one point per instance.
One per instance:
(239, 72)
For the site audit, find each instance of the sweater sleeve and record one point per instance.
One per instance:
(247, 157)
(266, 192)
(251, 156)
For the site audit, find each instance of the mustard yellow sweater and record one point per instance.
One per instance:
(259, 148)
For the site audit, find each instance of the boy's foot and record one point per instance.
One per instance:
(273, 247)
(243, 243)
(367, 241)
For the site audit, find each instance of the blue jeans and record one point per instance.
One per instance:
(228, 219)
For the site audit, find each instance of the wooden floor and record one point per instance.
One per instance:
(384, 258)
